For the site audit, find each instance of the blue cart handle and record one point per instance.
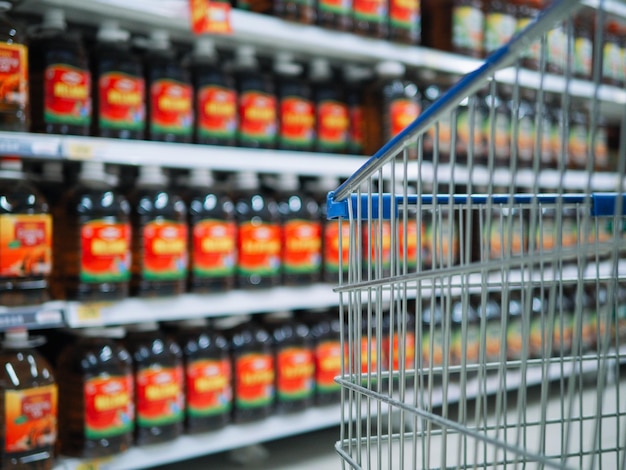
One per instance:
(601, 204)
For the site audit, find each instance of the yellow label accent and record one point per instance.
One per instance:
(80, 151)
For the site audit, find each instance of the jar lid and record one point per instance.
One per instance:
(226, 323)
(278, 316)
(143, 326)
(17, 338)
(193, 323)
(116, 332)
(390, 68)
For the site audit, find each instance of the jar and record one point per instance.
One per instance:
(454, 25)
(526, 131)
(582, 63)
(557, 49)
(434, 86)
(497, 127)
(528, 10)
(500, 24)
(577, 137)
(612, 55)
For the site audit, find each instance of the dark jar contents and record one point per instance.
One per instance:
(455, 25)
(254, 369)
(500, 24)
(119, 88)
(258, 120)
(215, 97)
(94, 238)
(370, 18)
(296, 112)
(169, 93)
(335, 14)
(159, 236)
(96, 395)
(60, 81)
(26, 262)
(405, 24)
(159, 384)
(355, 79)
(295, 362)
(577, 139)
(208, 376)
(213, 235)
(14, 99)
(28, 404)
(300, 11)
(301, 237)
(582, 59)
(258, 236)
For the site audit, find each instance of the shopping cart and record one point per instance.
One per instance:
(483, 314)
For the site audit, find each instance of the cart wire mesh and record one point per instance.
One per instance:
(483, 306)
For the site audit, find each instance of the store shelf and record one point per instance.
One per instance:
(47, 315)
(232, 437)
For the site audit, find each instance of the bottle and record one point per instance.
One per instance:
(259, 235)
(600, 145)
(159, 236)
(398, 344)
(557, 55)
(300, 11)
(469, 130)
(432, 336)
(582, 60)
(258, 120)
(94, 237)
(611, 59)
(208, 376)
(213, 232)
(326, 333)
(392, 103)
(26, 241)
(405, 24)
(497, 130)
(464, 348)
(538, 338)
(253, 367)
(563, 329)
(516, 335)
(296, 116)
(492, 312)
(505, 232)
(169, 92)
(159, 384)
(119, 88)
(295, 362)
(60, 81)
(437, 138)
(14, 100)
(331, 110)
(370, 18)
(355, 78)
(526, 130)
(301, 234)
(96, 395)
(335, 14)
(528, 10)
(456, 25)
(577, 137)
(215, 97)
(29, 402)
(500, 24)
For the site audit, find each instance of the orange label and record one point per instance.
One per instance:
(254, 380)
(67, 95)
(209, 390)
(503, 244)
(297, 121)
(369, 357)
(340, 7)
(109, 408)
(295, 370)
(302, 245)
(105, 252)
(214, 248)
(327, 365)
(122, 101)
(577, 145)
(356, 136)
(171, 107)
(160, 398)
(445, 134)
(404, 13)
(333, 233)
(381, 243)
(409, 350)
(30, 418)
(526, 139)
(259, 248)
(601, 148)
(410, 245)
(13, 74)
(165, 250)
(217, 112)
(209, 16)
(257, 115)
(432, 358)
(25, 245)
(332, 124)
(370, 10)
(402, 112)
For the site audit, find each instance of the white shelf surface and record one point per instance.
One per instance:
(46, 315)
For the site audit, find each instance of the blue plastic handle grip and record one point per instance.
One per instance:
(375, 207)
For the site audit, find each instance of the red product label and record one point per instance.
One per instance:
(14, 74)
(297, 121)
(340, 7)
(259, 248)
(369, 356)
(105, 252)
(327, 365)
(122, 101)
(370, 10)
(380, 243)
(30, 418)
(171, 107)
(356, 128)
(404, 13)
(25, 245)
(408, 342)
(302, 245)
(214, 248)
(165, 250)
(67, 95)
(210, 17)
(333, 253)
(109, 409)
(410, 244)
(217, 112)
(209, 390)
(254, 380)
(402, 112)
(160, 398)
(332, 124)
(257, 117)
(295, 372)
